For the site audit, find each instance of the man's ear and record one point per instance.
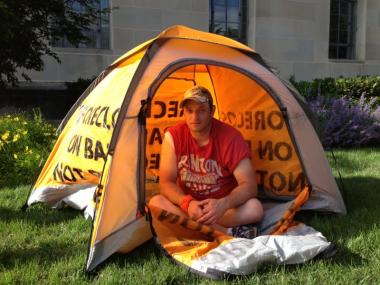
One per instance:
(213, 108)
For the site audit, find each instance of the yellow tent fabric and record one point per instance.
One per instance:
(109, 146)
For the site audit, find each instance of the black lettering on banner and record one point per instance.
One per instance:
(155, 136)
(154, 161)
(277, 181)
(105, 116)
(114, 117)
(268, 148)
(294, 183)
(57, 173)
(173, 109)
(248, 120)
(244, 119)
(74, 144)
(185, 242)
(65, 173)
(253, 120)
(174, 219)
(240, 121)
(99, 152)
(163, 215)
(92, 151)
(97, 123)
(262, 174)
(185, 223)
(88, 153)
(95, 115)
(82, 111)
(163, 109)
(260, 120)
(78, 171)
(284, 155)
(231, 116)
(273, 123)
(94, 172)
(88, 115)
(281, 150)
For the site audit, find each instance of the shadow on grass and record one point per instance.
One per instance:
(45, 253)
(362, 203)
(361, 197)
(39, 215)
(137, 257)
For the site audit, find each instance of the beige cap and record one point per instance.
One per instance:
(199, 94)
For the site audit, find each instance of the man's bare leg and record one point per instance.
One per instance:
(162, 202)
(247, 213)
(250, 212)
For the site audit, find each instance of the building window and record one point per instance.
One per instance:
(342, 29)
(98, 34)
(229, 18)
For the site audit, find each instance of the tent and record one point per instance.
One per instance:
(107, 155)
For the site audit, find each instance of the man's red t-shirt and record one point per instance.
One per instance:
(207, 171)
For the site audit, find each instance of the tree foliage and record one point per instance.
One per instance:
(29, 27)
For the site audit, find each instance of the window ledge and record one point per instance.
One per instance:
(346, 61)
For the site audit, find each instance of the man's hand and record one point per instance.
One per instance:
(212, 210)
(195, 210)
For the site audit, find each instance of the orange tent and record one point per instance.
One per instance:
(109, 146)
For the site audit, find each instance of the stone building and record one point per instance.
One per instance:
(304, 38)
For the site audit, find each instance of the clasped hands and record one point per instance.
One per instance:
(207, 211)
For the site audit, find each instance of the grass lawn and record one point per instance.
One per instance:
(48, 246)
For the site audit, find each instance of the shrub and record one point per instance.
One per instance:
(345, 122)
(79, 86)
(355, 87)
(25, 139)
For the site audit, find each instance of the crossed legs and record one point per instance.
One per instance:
(249, 212)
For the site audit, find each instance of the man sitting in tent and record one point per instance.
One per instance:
(206, 172)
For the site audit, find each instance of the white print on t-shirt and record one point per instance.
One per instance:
(200, 164)
(199, 174)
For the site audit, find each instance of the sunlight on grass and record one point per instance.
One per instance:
(49, 246)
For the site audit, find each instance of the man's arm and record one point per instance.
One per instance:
(246, 189)
(168, 178)
(168, 172)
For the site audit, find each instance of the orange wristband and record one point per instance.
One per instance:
(186, 202)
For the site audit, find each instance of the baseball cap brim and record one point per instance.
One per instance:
(196, 98)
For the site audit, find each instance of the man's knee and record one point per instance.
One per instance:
(158, 201)
(255, 209)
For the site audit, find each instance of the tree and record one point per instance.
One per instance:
(29, 27)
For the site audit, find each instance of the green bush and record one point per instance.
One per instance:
(25, 140)
(353, 87)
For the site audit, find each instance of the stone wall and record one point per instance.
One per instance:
(292, 35)
(132, 22)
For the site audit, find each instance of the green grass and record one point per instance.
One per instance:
(48, 246)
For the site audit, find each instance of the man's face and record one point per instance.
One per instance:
(197, 116)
